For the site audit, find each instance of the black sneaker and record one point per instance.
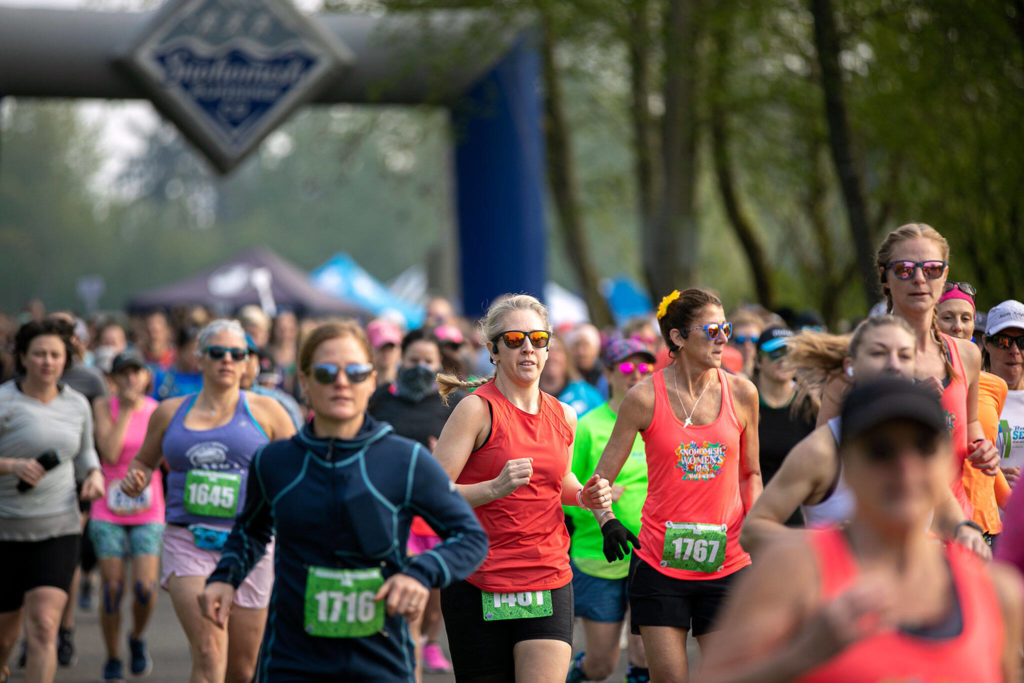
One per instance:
(66, 647)
(113, 671)
(141, 663)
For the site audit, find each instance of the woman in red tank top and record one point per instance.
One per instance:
(699, 427)
(879, 599)
(508, 447)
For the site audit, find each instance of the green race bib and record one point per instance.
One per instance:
(212, 494)
(528, 605)
(694, 547)
(340, 604)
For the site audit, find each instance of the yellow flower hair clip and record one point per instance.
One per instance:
(668, 299)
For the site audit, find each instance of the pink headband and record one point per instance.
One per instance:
(955, 293)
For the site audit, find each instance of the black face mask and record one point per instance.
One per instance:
(415, 383)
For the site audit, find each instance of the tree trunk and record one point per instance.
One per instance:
(826, 40)
(565, 188)
(671, 248)
(643, 135)
(757, 259)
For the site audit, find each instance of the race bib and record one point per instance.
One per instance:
(212, 494)
(120, 503)
(694, 547)
(340, 604)
(527, 605)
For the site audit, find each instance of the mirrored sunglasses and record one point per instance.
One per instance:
(714, 330)
(904, 270)
(327, 373)
(1005, 341)
(627, 368)
(514, 338)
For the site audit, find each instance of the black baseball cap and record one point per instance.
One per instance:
(127, 359)
(879, 400)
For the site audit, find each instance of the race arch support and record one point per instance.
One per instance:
(494, 99)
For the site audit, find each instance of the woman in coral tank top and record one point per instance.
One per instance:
(508, 447)
(878, 599)
(699, 427)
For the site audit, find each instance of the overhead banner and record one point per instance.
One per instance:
(228, 72)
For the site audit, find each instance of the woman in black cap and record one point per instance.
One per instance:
(878, 599)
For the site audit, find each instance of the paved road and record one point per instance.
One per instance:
(169, 650)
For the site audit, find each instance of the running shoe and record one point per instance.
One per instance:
(575, 674)
(434, 661)
(636, 674)
(141, 663)
(113, 670)
(66, 647)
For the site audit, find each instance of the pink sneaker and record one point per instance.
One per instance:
(434, 661)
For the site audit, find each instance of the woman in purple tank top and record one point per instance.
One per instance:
(208, 440)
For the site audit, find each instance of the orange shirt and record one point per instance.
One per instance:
(693, 479)
(529, 544)
(954, 403)
(974, 655)
(982, 490)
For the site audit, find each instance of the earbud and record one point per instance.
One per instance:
(849, 371)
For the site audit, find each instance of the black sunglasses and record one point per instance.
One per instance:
(965, 287)
(776, 354)
(514, 338)
(904, 270)
(1005, 341)
(218, 352)
(327, 373)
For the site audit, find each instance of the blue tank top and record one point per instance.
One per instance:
(209, 468)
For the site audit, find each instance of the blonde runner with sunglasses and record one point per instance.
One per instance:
(699, 427)
(508, 448)
(208, 440)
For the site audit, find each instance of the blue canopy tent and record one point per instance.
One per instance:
(345, 279)
(626, 298)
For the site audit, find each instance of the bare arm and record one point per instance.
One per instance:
(751, 484)
(597, 492)
(804, 478)
(981, 452)
(108, 431)
(635, 415)
(148, 457)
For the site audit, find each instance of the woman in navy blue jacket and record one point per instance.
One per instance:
(340, 497)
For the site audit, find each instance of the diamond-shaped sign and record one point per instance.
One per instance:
(227, 72)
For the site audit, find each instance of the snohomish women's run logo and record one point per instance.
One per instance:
(700, 463)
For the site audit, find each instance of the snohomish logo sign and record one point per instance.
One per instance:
(227, 72)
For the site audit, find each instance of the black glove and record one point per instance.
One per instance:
(617, 539)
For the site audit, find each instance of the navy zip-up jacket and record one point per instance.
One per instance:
(348, 504)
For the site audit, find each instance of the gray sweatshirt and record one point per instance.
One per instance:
(28, 428)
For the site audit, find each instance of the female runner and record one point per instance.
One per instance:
(508, 447)
(208, 440)
(699, 427)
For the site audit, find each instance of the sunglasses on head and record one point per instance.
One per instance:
(327, 373)
(775, 354)
(1005, 341)
(627, 368)
(744, 338)
(965, 287)
(904, 270)
(218, 352)
(514, 338)
(714, 330)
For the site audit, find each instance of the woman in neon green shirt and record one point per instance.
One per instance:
(600, 587)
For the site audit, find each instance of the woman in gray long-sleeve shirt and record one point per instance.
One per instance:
(45, 446)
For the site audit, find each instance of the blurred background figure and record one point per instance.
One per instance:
(439, 312)
(256, 324)
(746, 328)
(157, 341)
(185, 375)
(561, 379)
(585, 352)
(284, 349)
(385, 337)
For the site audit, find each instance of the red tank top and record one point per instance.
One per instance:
(954, 403)
(529, 544)
(975, 655)
(693, 492)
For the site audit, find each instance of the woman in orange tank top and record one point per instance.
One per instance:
(878, 599)
(699, 427)
(508, 448)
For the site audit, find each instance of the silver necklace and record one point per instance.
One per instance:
(688, 422)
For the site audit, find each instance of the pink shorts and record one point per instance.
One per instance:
(421, 543)
(181, 557)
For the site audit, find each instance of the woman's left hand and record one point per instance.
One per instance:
(92, 487)
(984, 456)
(405, 595)
(973, 540)
(597, 493)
